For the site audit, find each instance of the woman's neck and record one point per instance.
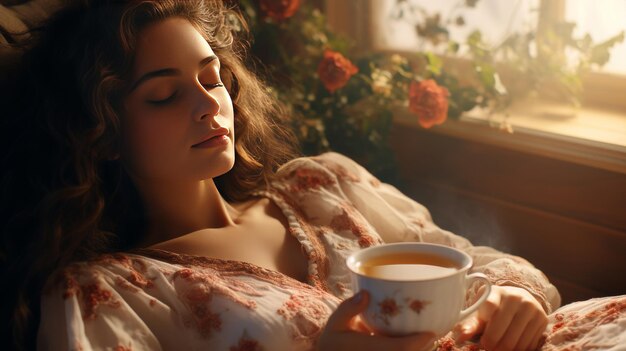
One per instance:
(173, 210)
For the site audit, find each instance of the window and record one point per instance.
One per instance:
(497, 20)
(594, 134)
(601, 20)
(395, 23)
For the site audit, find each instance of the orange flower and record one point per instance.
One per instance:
(280, 9)
(335, 70)
(429, 102)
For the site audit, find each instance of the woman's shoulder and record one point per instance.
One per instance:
(91, 277)
(328, 168)
(326, 159)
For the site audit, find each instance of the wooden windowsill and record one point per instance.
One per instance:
(589, 136)
(588, 123)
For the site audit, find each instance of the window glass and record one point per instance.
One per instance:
(602, 20)
(496, 19)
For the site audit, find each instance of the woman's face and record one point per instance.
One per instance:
(176, 102)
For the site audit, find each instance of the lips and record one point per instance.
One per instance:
(214, 134)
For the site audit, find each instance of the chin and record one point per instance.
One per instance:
(220, 165)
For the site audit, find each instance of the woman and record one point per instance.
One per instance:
(154, 200)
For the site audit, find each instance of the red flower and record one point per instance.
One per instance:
(280, 9)
(335, 70)
(429, 102)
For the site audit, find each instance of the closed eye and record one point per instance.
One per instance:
(163, 101)
(214, 85)
(171, 97)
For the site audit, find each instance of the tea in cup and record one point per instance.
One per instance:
(414, 287)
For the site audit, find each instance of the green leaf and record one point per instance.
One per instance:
(453, 47)
(475, 38)
(600, 53)
(486, 75)
(434, 63)
(471, 3)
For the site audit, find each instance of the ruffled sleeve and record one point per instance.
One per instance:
(158, 300)
(91, 306)
(397, 218)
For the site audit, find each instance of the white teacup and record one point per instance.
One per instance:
(414, 287)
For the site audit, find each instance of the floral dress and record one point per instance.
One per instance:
(158, 300)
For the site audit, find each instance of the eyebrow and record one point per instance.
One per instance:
(169, 72)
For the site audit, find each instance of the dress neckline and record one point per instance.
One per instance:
(300, 232)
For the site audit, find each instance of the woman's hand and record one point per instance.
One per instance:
(510, 319)
(345, 331)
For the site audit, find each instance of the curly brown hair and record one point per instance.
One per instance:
(64, 197)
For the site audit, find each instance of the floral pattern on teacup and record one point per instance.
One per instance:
(388, 308)
(417, 305)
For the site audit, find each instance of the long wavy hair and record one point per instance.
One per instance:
(64, 196)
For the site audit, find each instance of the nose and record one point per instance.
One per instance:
(205, 102)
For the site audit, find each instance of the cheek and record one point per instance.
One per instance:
(150, 136)
(152, 139)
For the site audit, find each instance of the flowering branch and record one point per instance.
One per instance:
(344, 103)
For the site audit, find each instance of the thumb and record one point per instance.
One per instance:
(347, 310)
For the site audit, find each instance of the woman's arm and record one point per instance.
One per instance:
(396, 218)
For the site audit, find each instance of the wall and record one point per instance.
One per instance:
(567, 219)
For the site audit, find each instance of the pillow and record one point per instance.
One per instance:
(18, 16)
(10, 24)
(34, 12)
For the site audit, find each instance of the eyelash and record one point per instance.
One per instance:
(214, 85)
(171, 97)
(164, 101)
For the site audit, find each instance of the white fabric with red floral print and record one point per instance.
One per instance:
(158, 300)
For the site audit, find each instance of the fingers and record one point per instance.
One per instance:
(514, 320)
(345, 331)
(468, 328)
(475, 324)
(421, 342)
(341, 319)
(362, 342)
(499, 323)
(520, 324)
(531, 334)
(360, 326)
(539, 337)
(491, 305)
(524, 333)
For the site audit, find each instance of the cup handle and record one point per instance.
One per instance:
(472, 277)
